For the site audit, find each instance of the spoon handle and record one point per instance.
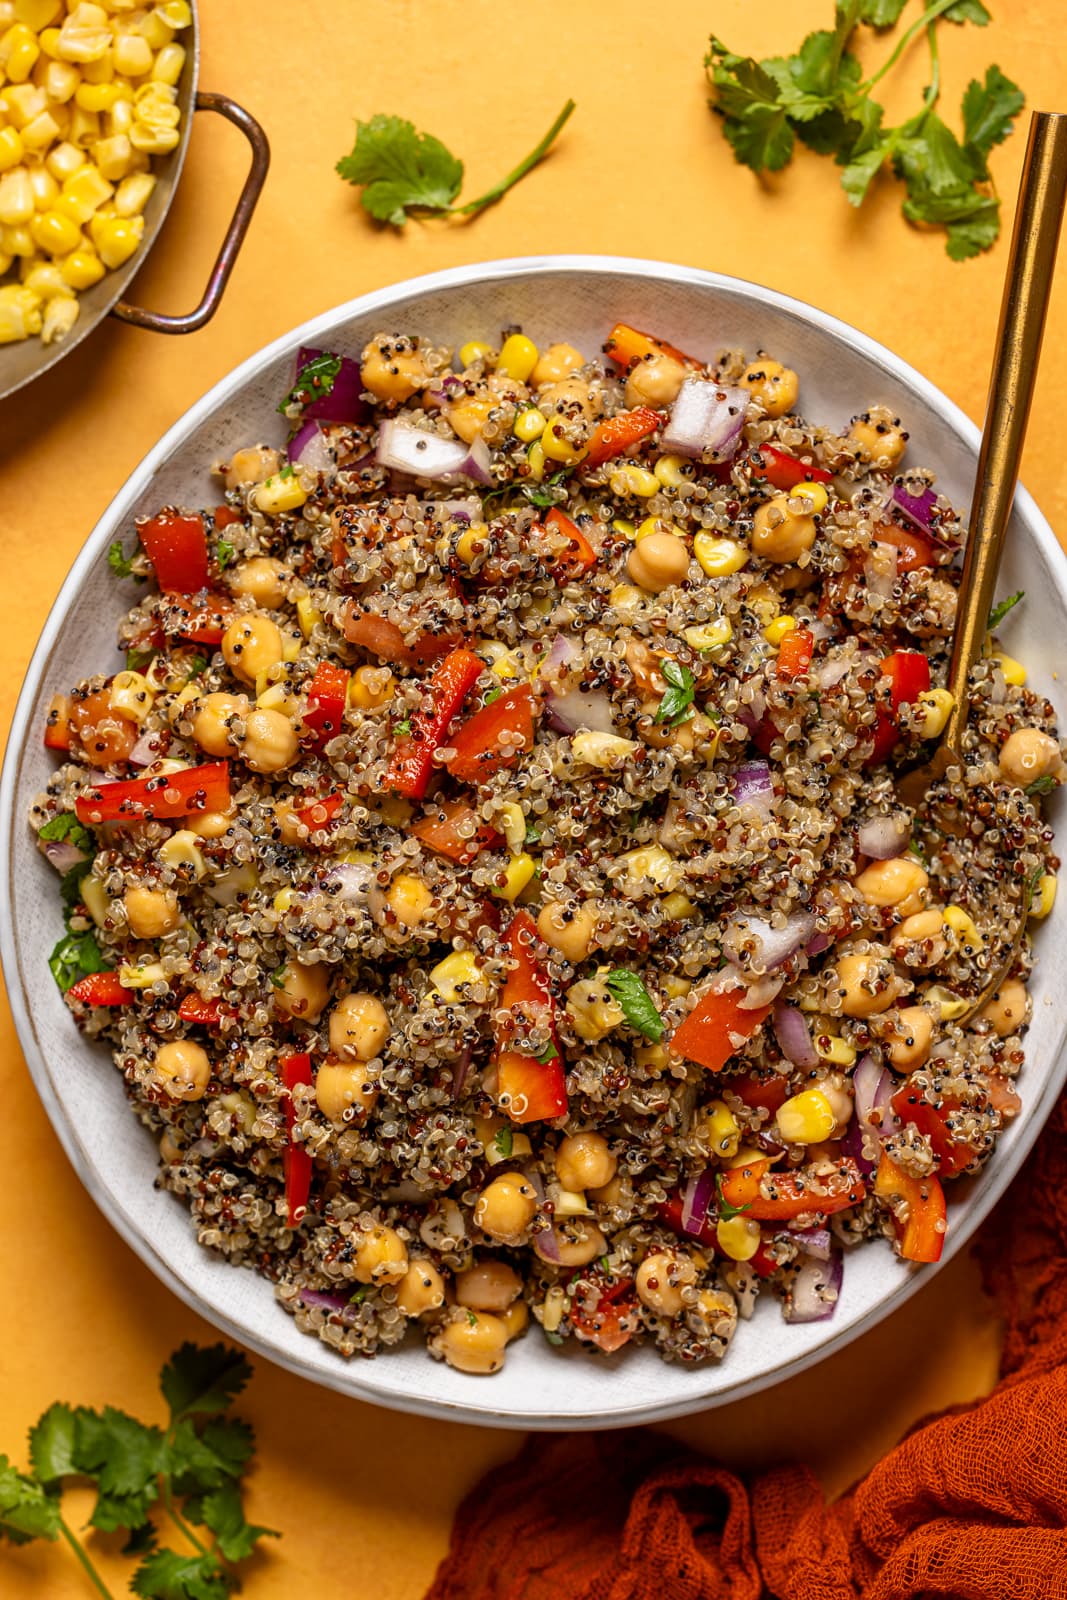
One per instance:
(1038, 214)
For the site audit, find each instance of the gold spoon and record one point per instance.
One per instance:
(1027, 287)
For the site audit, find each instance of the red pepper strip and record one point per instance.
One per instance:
(204, 1013)
(795, 653)
(326, 695)
(298, 1164)
(450, 682)
(670, 1212)
(908, 672)
(176, 545)
(386, 641)
(100, 989)
(579, 554)
(783, 471)
(952, 1154)
(922, 1237)
(198, 621)
(173, 794)
(440, 831)
(529, 1090)
(793, 1192)
(616, 434)
(913, 549)
(613, 1320)
(708, 1033)
(225, 517)
(319, 814)
(625, 345)
(57, 723)
(478, 741)
(760, 1092)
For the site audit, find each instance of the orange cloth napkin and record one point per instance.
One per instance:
(972, 1504)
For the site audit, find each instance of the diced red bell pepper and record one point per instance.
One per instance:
(953, 1155)
(795, 653)
(176, 544)
(760, 1091)
(319, 814)
(616, 434)
(100, 989)
(225, 517)
(197, 621)
(612, 1321)
(478, 742)
(914, 549)
(382, 638)
(908, 672)
(1002, 1097)
(440, 831)
(922, 1237)
(783, 471)
(296, 1070)
(451, 681)
(794, 1194)
(203, 1013)
(717, 1027)
(529, 1090)
(762, 1262)
(625, 345)
(57, 723)
(578, 554)
(670, 1212)
(326, 696)
(172, 794)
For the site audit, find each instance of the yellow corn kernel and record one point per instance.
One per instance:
(23, 102)
(59, 82)
(131, 55)
(518, 357)
(370, 687)
(653, 862)
(1014, 671)
(536, 458)
(454, 972)
(10, 148)
(141, 977)
(182, 850)
(815, 493)
(519, 871)
(155, 31)
(44, 186)
(84, 128)
(656, 525)
(168, 64)
(99, 96)
(557, 446)
(43, 278)
(276, 697)
(117, 238)
(131, 695)
(571, 1203)
(19, 51)
(55, 233)
(85, 35)
(529, 424)
(48, 39)
(553, 1309)
(937, 706)
(1044, 896)
(102, 70)
(511, 1147)
(738, 1237)
(828, 1047)
(308, 615)
(719, 557)
(119, 120)
(64, 161)
(806, 1118)
(674, 987)
(16, 197)
(282, 492)
(724, 1133)
(292, 644)
(678, 906)
(5, 263)
(88, 189)
(37, 14)
(476, 350)
(40, 133)
(112, 159)
(709, 635)
(511, 820)
(283, 900)
(81, 269)
(20, 314)
(153, 141)
(776, 631)
(961, 924)
(671, 471)
(175, 13)
(951, 1006)
(95, 900)
(17, 241)
(633, 480)
(625, 597)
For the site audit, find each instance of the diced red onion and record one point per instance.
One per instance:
(147, 749)
(829, 672)
(793, 1035)
(814, 1242)
(759, 992)
(696, 1198)
(458, 510)
(816, 946)
(461, 1072)
(753, 786)
(546, 1244)
(563, 651)
(573, 710)
(881, 838)
(63, 855)
(427, 455)
(880, 570)
(814, 1291)
(917, 509)
(345, 402)
(446, 388)
(774, 945)
(852, 1145)
(873, 1089)
(308, 446)
(706, 420)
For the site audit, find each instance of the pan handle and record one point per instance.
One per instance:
(156, 321)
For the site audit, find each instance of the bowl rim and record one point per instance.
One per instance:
(347, 1377)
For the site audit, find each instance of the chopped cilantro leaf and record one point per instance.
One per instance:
(314, 381)
(224, 553)
(533, 834)
(277, 977)
(1043, 785)
(118, 561)
(502, 1143)
(676, 705)
(725, 1210)
(549, 1053)
(636, 1003)
(554, 1338)
(490, 695)
(74, 957)
(1002, 607)
(138, 658)
(403, 728)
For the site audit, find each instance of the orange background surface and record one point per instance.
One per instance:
(364, 1497)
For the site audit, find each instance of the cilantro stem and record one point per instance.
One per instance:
(167, 1497)
(933, 92)
(83, 1557)
(501, 188)
(929, 15)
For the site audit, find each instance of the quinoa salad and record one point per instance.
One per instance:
(488, 874)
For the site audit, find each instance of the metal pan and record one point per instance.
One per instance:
(21, 363)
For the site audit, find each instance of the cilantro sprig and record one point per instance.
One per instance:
(819, 96)
(188, 1473)
(635, 1002)
(676, 705)
(402, 172)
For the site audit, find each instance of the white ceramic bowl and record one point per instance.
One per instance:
(577, 298)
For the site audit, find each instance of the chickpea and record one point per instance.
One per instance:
(393, 368)
(571, 396)
(169, 1148)
(583, 1161)
(473, 1342)
(302, 991)
(555, 363)
(262, 579)
(880, 435)
(1029, 754)
(658, 561)
(252, 465)
(907, 1039)
(372, 687)
(182, 1069)
(251, 644)
(661, 1278)
(593, 1009)
(488, 1286)
(210, 824)
(782, 535)
(407, 900)
(889, 883)
(516, 1319)
(470, 418)
(381, 1256)
(1008, 1010)
(865, 984)
(655, 381)
(211, 724)
(505, 1209)
(577, 1242)
(151, 912)
(774, 386)
(345, 1091)
(920, 940)
(570, 931)
(359, 1027)
(422, 1288)
(290, 827)
(270, 741)
(841, 1103)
